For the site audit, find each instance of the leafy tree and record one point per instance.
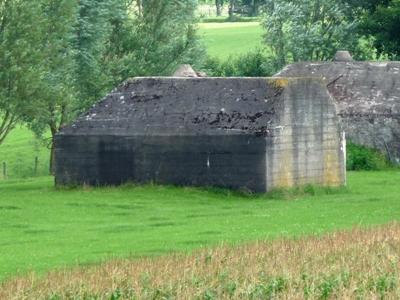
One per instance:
(383, 23)
(113, 44)
(57, 97)
(252, 7)
(218, 5)
(21, 71)
(92, 32)
(307, 30)
(156, 41)
(359, 7)
(251, 64)
(231, 8)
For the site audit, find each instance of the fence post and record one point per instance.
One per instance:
(35, 170)
(4, 170)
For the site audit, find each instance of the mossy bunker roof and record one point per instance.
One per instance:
(188, 106)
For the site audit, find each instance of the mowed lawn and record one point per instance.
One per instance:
(229, 39)
(42, 228)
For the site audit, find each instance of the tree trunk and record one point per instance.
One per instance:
(140, 8)
(218, 7)
(254, 8)
(7, 124)
(53, 130)
(231, 9)
(52, 157)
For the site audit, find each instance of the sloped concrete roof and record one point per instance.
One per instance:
(191, 106)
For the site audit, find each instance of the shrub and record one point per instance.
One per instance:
(227, 19)
(364, 158)
(252, 64)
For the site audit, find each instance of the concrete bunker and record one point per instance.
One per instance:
(367, 96)
(241, 133)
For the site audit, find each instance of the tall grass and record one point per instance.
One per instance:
(354, 264)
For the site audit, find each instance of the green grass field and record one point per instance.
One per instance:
(225, 39)
(43, 228)
(19, 151)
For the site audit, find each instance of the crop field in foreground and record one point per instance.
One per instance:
(43, 228)
(358, 264)
(229, 39)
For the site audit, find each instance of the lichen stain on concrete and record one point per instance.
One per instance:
(331, 175)
(279, 82)
(285, 173)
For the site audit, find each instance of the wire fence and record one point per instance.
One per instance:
(23, 169)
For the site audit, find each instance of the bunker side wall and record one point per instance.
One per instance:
(224, 161)
(307, 146)
(367, 98)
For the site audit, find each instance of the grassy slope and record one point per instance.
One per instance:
(19, 151)
(42, 228)
(225, 39)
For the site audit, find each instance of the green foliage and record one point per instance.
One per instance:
(157, 41)
(112, 43)
(384, 25)
(235, 8)
(225, 19)
(364, 158)
(91, 34)
(21, 57)
(252, 64)
(308, 30)
(57, 97)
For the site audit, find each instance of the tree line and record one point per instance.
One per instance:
(313, 30)
(250, 8)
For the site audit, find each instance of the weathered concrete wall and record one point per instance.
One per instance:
(228, 132)
(307, 146)
(367, 96)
